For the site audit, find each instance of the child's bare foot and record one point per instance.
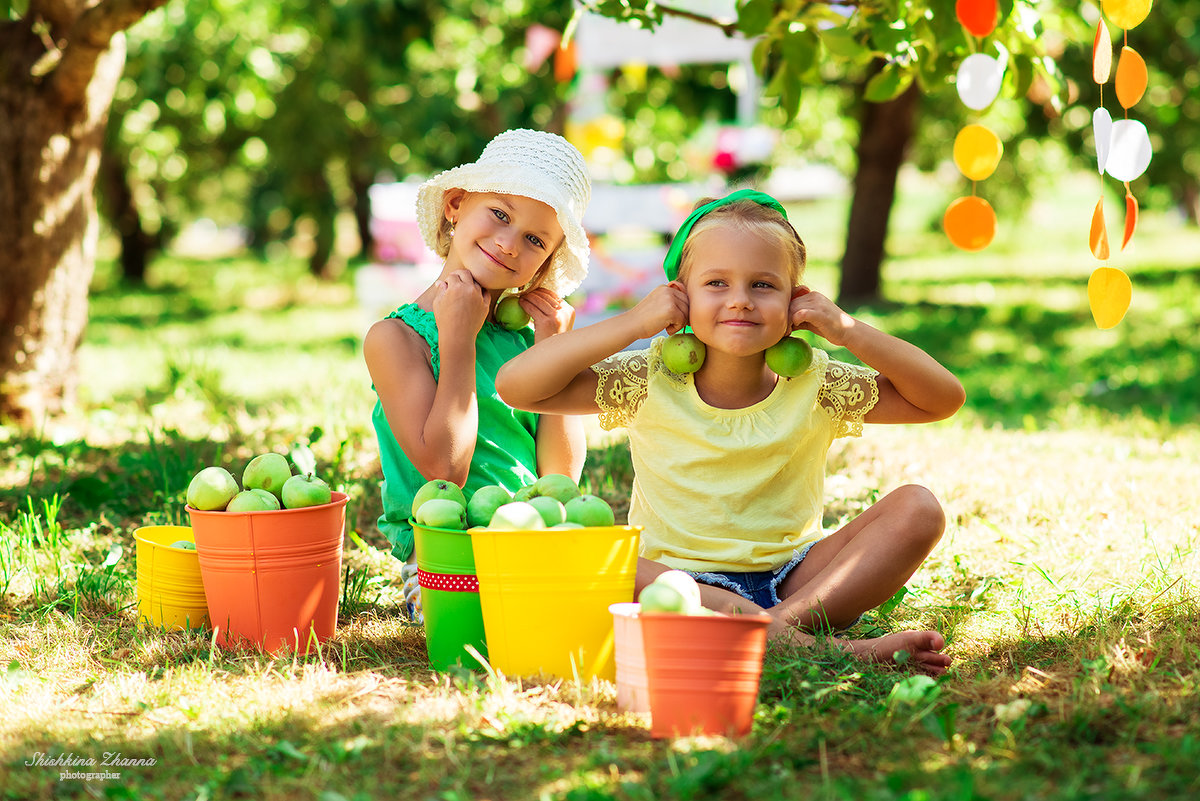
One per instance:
(922, 647)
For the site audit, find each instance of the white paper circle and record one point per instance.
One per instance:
(1129, 151)
(978, 80)
(1101, 135)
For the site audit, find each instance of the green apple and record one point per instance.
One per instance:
(517, 516)
(442, 513)
(685, 585)
(565, 525)
(211, 489)
(589, 511)
(267, 471)
(683, 353)
(789, 357)
(510, 314)
(551, 509)
(269, 498)
(484, 503)
(657, 597)
(251, 501)
(183, 545)
(526, 492)
(438, 488)
(304, 490)
(557, 486)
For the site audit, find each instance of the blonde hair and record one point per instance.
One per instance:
(756, 218)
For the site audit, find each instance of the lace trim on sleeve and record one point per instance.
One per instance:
(621, 387)
(425, 325)
(847, 393)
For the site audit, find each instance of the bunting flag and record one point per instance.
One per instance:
(1122, 151)
(970, 222)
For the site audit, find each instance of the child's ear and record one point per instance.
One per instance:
(452, 200)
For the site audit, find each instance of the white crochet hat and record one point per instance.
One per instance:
(533, 164)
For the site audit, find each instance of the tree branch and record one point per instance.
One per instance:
(87, 39)
(730, 27)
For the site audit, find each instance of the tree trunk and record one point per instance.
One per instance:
(56, 85)
(883, 140)
(122, 212)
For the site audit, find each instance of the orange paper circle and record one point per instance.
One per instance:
(970, 223)
(1126, 13)
(977, 151)
(977, 16)
(1109, 293)
(1131, 77)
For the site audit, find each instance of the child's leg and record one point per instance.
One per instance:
(859, 567)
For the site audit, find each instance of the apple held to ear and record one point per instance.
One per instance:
(683, 353)
(790, 356)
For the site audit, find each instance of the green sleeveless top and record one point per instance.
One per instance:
(505, 449)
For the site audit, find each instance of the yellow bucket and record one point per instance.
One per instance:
(545, 597)
(170, 591)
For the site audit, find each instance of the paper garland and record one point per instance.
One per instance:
(970, 222)
(1123, 151)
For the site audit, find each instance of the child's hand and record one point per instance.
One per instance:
(665, 308)
(459, 305)
(551, 314)
(812, 311)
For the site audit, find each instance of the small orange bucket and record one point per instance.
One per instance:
(272, 578)
(703, 671)
(170, 591)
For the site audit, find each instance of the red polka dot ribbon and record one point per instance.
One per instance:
(447, 581)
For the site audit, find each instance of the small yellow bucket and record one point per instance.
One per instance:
(545, 597)
(170, 590)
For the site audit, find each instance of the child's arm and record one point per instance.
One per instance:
(913, 386)
(435, 422)
(555, 375)
(561, 439)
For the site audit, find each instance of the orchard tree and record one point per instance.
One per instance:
(59, 64)
(893, 51)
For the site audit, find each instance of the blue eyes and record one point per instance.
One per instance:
(502, 216)
(756, 284)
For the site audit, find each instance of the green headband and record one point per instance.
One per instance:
(675, 253)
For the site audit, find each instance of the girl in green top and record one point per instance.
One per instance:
(507, 223)
(729, 459)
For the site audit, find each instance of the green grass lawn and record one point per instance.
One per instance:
(1066, 583)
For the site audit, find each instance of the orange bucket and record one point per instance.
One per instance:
(272, 578)
(703, 671)
(170, 591)
(633, 692)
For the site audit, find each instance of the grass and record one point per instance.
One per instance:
(1066, 583)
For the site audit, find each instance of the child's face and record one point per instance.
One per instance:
(739, 291)
(503, 240)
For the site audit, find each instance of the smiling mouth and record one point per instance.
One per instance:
(497, 261)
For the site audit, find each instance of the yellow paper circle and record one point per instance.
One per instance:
(1126, 13)
(1131, 77)
(977, 151)
(1109, 292)
(970, 223)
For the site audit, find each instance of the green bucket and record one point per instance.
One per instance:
(449, 596)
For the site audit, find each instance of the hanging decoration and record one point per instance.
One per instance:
(970, 222)
(1122, 151)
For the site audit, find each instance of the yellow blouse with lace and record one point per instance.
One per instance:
(729, 489)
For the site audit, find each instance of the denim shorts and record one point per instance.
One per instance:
(758, 586)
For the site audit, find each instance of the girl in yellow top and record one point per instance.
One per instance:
(729, 460)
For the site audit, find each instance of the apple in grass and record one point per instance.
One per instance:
(683, 353)
(211, 489)
(304, 490)
(267, 471)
